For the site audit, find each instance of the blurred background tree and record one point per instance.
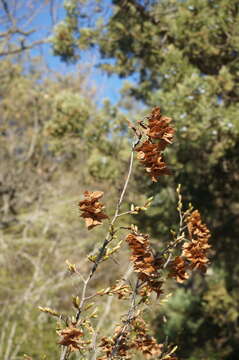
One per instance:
(183, 56)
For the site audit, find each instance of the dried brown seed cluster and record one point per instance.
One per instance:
(196, 250)
(158, 128)
(72, 338)
(92, 209)
(124, 341)
(145, 263)
(151, 157)
(150, 152)
(143, 342)
(197, 230)
(119, 343)
(194, 254)
(178, 269)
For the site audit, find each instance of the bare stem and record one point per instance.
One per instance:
(129, 319)
(64, 354)
(125, 186)
(102, 250)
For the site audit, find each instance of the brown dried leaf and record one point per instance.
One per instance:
(92, 209)
(71, 337)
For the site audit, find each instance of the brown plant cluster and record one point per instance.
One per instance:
(150, 266)
(143, 342)
(158, 128)
(118, 343)
(145, 263)
(92, 209)
(196, 250)
(178, 269)
(126, 341)
(151, 157)
(72, 338)
(159, 134)
(194, 254)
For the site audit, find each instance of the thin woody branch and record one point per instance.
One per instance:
(23, 47)
(102, 250)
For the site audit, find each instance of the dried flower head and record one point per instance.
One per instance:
(158, 128)
(141, 257)
(143, 342)
(145, 263)
(196, 229)
(125, 342)
(159, 134)
(196, 250)
(92, 209)
(178, 269)
(71, 337)
(151, 157)
(119, 344)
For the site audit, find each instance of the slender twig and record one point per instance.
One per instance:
(125, 185)
(100, 323)
(13, 31)
(130, 317)
(109, 237)
(125, 213)
(64, 354)
(24, 47)
(8, 12)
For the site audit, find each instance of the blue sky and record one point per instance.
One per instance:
(109, 87)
